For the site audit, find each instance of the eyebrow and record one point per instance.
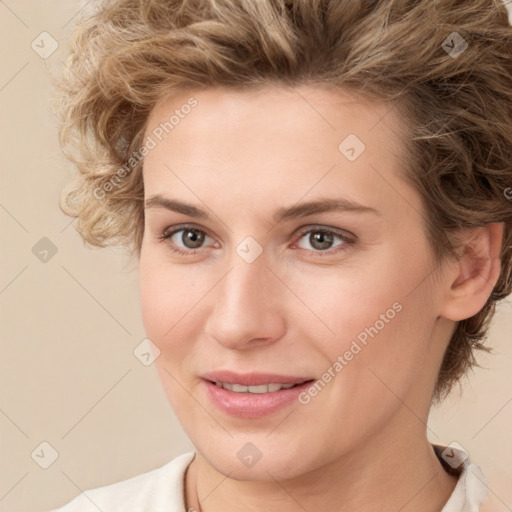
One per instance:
(284, 213)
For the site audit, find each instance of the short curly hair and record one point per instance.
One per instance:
(445, 65)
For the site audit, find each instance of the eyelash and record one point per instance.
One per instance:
(347, 241)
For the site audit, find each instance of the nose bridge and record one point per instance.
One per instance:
(245, 303)
(245, 288)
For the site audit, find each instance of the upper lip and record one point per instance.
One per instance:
(252, 379)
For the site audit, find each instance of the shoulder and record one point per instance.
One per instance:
(158, 489)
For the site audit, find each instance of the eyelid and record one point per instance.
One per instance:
(320, 227)
(171, 230)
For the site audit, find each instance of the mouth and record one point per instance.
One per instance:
(252, 396)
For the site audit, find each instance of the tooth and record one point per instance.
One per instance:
(274, 387)
(262, 388)
(218, 384)
(239, 388)
(287, 386)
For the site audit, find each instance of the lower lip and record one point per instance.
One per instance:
(253, 405)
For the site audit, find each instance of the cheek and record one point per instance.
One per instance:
(164, 291)
(152, 297)
(379, 321)
(384, 357)
(344, 303)
(164, 306)
(173, 309)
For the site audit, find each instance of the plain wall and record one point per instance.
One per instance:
(70, 324)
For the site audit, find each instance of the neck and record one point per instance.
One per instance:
(383, 474)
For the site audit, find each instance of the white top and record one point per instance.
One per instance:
(162, 489)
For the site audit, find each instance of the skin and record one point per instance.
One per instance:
(361, 443)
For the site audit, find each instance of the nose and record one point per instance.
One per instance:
(249, 306)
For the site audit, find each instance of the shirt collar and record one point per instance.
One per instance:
(471, 490)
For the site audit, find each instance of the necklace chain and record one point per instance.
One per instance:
(193, 509)
(197, 498)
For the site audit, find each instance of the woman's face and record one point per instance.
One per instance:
(252, 280)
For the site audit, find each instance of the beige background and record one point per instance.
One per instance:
(70, 324)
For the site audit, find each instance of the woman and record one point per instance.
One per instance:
(318, 196)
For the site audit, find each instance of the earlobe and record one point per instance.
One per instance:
(476, 272)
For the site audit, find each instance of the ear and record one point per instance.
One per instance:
(472, 277)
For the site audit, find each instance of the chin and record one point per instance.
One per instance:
(243, 459)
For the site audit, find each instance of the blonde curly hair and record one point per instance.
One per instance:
(455, 100)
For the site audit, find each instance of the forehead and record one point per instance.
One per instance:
(255, 142)
(307, 111)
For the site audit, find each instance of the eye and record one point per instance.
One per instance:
(191, 238)
(321, 240)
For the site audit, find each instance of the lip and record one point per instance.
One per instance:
(253, 379)
(252, 405)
